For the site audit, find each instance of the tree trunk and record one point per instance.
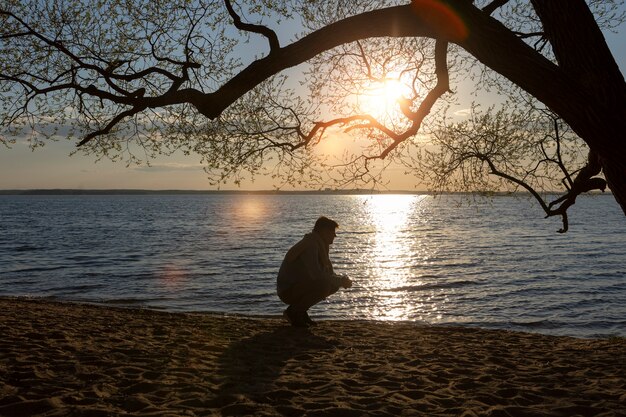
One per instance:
(581, 50)
(615, 174)
(586, 88)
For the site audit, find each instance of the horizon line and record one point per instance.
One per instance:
(139, 191)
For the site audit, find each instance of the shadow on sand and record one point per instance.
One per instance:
(252, 366)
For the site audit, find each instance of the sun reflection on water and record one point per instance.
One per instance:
(392, 252)
(172, 277)
(251, 209)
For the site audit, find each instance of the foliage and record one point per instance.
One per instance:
(132, 80)
(509, 149)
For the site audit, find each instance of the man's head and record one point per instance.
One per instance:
(325, 227)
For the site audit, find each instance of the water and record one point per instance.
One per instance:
(495, 263)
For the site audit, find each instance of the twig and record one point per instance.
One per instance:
(271, 36)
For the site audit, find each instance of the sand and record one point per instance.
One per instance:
(66, 359)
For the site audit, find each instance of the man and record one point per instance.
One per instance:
(306, 275)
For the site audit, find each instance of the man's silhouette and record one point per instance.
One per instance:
(306, 275)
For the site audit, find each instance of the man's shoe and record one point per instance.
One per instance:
(287, 316)
(295, 318)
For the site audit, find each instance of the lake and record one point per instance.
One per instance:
(476, 261)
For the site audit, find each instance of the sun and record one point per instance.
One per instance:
(392, 90)
(380, 98)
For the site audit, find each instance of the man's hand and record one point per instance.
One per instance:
(345, 281)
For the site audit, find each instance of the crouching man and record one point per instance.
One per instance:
(306, 275)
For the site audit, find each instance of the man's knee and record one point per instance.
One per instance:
(292, 294)
(308, 291)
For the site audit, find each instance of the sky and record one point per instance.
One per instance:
(52, 167)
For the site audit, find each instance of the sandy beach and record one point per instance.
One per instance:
(66, 359)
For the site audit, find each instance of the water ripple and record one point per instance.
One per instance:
(495, 263)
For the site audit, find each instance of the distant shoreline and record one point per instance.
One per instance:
(69, 191)
(191, 192)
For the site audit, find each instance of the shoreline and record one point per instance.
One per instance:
(136, 305)
(62, 358)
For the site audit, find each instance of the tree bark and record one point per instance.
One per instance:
(586, 88)
(581, 50)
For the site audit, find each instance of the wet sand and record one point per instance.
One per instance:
(66, 359)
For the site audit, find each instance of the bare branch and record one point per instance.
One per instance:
(271, 36)
(557, 138)
(365, 60)
(442, 87)
(415, 117)
(584, 182)
(107, 129)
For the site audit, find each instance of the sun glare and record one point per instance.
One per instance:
(393, 90)
(380, 98)
(389, 255)
(397, 255)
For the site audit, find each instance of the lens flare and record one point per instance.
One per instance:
(443, 19)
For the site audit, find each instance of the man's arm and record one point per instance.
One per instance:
(310, 259)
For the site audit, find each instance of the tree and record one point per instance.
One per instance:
(530, 150)
(162, 75)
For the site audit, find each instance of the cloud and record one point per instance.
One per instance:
(463, 112)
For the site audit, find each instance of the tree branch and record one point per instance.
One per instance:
(488, 40)
(584, 182)
(271, 36)
(107, 129)
(416, 118)
(396, 21)
(365, 60)
(399, 21)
